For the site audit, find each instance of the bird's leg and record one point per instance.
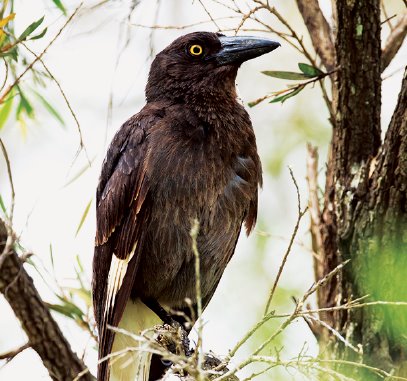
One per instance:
(170, 325)
(154, 306)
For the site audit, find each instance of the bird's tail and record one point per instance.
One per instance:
(133, 365)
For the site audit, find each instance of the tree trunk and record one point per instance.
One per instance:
(364, 217)
(43, 333)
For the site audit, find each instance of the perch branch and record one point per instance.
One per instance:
(44, 335)
(319, 30)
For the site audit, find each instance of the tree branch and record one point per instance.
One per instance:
(319, 30)
(394, 41)
(43, 333)
(389, 171)
(8, 356)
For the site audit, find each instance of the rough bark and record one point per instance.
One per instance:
(43, 333)
(364, 217)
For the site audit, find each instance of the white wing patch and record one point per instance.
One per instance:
(133, 365)
(117, 271)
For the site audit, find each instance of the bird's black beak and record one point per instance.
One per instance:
(236, 50)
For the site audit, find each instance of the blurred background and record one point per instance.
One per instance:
(101, 61)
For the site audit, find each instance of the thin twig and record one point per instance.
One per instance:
(65, 99)
(313, 200)
(181, 27)
(302, 49)
(296, 362)
(29, 67)
(334, 332)
(291, 317)
(9, 225)
(247, 16)
(299, 86)
(5, 75)
(10, 179)
(386, 16)
(319, 31)
(394, 42)
(244, 339)
(294, 34)
(297, 224)
(8, 356)
(194, 235)
(209, 14)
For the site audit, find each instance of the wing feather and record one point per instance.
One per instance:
(121, 212)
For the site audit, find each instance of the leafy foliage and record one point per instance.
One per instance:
(14, 94)
(308, 73)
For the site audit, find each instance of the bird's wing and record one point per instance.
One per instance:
(121, 211)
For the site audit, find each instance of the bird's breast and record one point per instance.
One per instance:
(194, 177)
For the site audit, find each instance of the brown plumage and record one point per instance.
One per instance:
(189, 153)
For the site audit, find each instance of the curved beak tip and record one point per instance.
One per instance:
(237, 49)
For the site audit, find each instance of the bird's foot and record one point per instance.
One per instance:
(174, 338)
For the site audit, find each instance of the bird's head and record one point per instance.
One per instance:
(201, 64)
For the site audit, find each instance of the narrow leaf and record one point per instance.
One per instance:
(310, 71)
(284, 97)
(30, 29)
(51, 254)
(24, 105)
(2, 206)
(79, 262)
(75, 310)
(5, 110)
(60, 309)
(13, 53)
(68, 309)
(286, 75)
(50, 108)
(79, 173)
(85, 213)
(38, 36)
(60, 6)
(82, 293)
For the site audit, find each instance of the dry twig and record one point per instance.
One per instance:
(297, 225)
(319, 31)
(394, 41)
(8, 356)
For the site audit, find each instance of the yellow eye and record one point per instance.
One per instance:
(196, 50)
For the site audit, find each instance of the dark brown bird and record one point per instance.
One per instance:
(190, 153)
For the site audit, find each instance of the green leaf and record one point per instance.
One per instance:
(284, 97)
(60, 6)
(80, 172)
(5, 109)
(310, 71)
(79, 262)
(13, 53)
(50, 108)
(2, 206)
(85, 213)
(82, 293)
(24, 105)
(67, 308)
(38, 36)
(72, 306)
(286, 75)
(51, 255)
(30, 29)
